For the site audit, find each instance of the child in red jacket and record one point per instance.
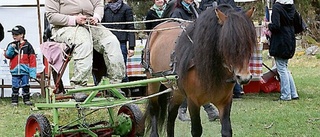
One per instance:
(22, 64)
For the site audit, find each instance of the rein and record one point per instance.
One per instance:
(231, 70)
(133, 22)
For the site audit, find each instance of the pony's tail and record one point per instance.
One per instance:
(159, 110)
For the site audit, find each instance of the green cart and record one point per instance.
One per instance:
(127, 122)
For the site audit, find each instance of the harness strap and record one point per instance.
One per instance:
(145, 62)
(163, 73)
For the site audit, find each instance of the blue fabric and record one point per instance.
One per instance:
(186, 5)
(23, 69)
(10, 52)
(237, 89)
(20, 81)
(288, 88)
(159, 10)
(267, 14)
(124, 50)
(115, 6)
(33, 72)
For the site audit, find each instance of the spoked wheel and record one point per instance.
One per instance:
(136, 117)
(37, 126)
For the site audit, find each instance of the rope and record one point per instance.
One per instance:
(146, 21)
(140, 99)
(120, 30)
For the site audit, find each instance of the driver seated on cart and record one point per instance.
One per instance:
(69, 20)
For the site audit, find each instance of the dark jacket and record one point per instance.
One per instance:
(169, 9)
(209, 3)
(183, 13)
(124, 14)
(1, 32)
(22, 58)
(152, 15)
(206, 4)
(282, 41)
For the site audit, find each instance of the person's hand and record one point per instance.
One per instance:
(93, 20)
(130, 53)
(80, 19)
(13, 45)
(266, 24)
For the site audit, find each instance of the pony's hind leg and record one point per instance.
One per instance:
(174, 105)
(194, 111)
(153, 110)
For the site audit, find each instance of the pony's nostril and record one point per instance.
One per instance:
(243, 80)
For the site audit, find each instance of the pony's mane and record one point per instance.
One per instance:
(215, 45)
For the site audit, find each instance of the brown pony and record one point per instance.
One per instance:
(210, 55)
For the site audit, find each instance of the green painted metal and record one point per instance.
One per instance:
(121, 123)
(122, 85)
(112, 116)
(55, 125)
(124, 125)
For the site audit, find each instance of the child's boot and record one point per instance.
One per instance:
(14, 99)
(15, 96)
(26, 95)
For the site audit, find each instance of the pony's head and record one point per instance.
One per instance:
(224, 40)
(236, 42)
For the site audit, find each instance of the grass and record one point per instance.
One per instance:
(256, 115)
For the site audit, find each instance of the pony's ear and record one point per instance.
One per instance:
(250, 12)
(221, 16)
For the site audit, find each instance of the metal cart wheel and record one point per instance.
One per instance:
(136, 117)
(37, 126)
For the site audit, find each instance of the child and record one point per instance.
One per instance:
(22, 64)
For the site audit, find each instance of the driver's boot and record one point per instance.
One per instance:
(182, 114)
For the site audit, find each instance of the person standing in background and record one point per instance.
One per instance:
(118, 11)
(283, 44)
(169, 8)
(185, 9)
(22, 64)
(155, 12)
(206, 4)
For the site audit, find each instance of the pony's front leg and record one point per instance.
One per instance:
(196, 127)
(226, 130)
